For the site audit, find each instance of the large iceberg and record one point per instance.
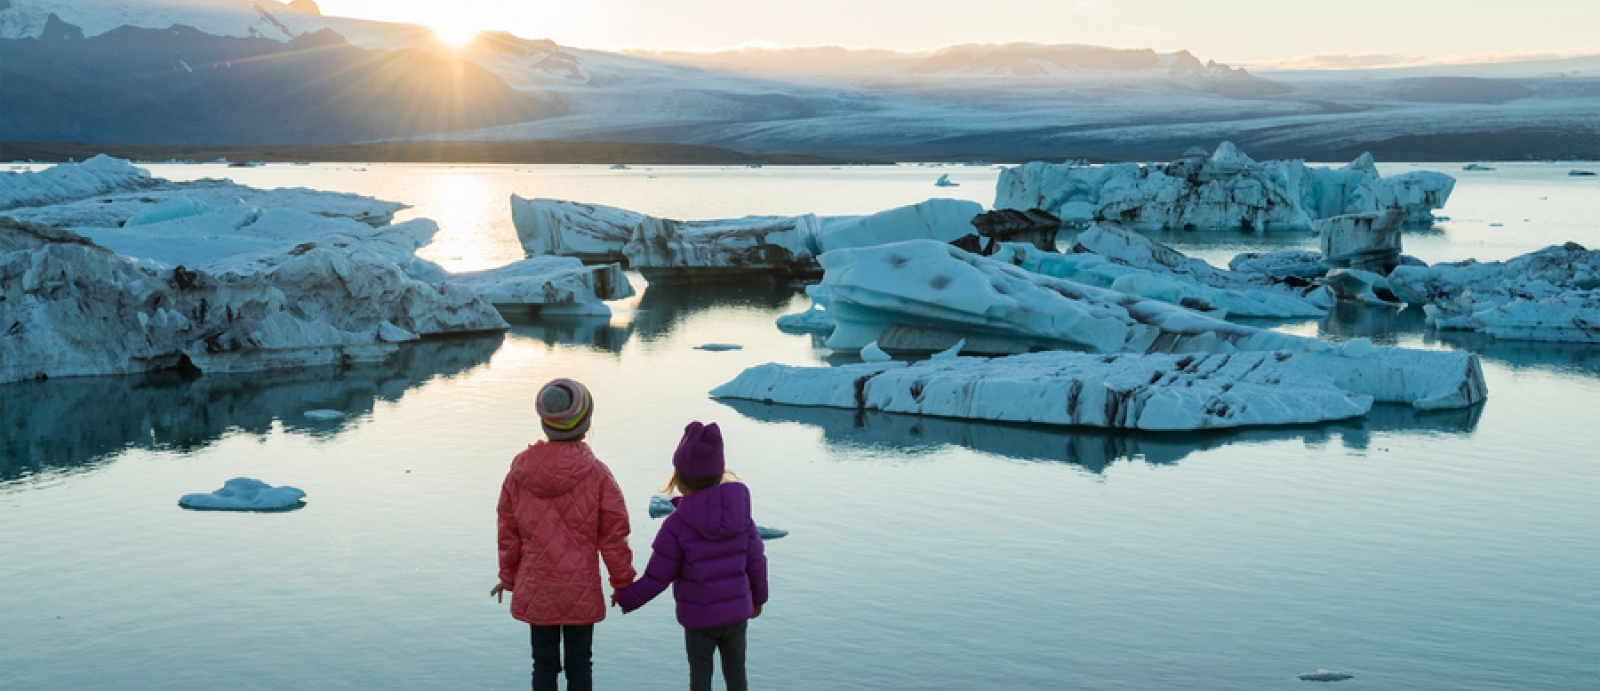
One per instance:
(1250, 294)
(75, 308)
(1147, 392)
(1225, 190)
(1365, 242)
(70, 181)
(1548, 295)
(550, 286)
(671, 251)
(950, 294)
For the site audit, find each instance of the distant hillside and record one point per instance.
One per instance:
(180, 85)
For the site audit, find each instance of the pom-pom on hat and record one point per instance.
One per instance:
(699, 453)
(565, 408)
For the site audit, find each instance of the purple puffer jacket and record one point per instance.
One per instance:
(709, 551)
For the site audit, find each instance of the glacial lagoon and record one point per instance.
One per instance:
(1448, 550)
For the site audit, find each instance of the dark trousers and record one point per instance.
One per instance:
(548, 662)
(702, 643)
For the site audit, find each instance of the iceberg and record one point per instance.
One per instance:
(549, 286)
(668, 251)
(944, 181)
(245, 494)
(1252, 294)
(1545, 295)
(1034, 226)
(924, 285)
(1162, 392)
(589, 232)
(1360, 286)
(76, 308)
(66, 182)
(324, 415)
(719, 347)
(1225, 190)
(935, 219)
(1366, 242)
(1324, 675)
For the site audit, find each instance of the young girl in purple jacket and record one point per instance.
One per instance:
(708, 549)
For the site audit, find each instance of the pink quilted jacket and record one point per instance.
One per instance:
(559, 507)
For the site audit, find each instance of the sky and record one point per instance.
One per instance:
(1240, 32)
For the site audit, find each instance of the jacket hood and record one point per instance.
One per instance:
(718, 512)
(551, 469)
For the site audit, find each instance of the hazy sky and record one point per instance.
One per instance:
(1234, 31)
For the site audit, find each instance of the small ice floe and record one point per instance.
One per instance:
(1580, 173)
(944, 181)
(323, 414)
(872, 353)
(719, 347)
(620, 166)
(1325, 675)
(245, 494)
(1358, 347)
(770, 533)
(660, 506)
(1477, 167)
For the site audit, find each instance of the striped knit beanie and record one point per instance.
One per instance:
(565, 408)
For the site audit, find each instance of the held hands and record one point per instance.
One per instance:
(758, 612)
(497, 593)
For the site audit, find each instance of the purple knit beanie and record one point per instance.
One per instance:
(699, 454)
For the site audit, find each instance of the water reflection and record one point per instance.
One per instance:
(596, 333)
(1093, 450)
(1569, 358)
(662, 308)
(73, 424)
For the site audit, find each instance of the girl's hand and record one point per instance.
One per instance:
(496, 593)
(758, 612)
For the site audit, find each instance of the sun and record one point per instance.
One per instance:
(453, 34)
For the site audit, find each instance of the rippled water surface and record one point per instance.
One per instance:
(1451, 550)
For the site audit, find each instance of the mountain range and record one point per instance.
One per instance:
(262, 72)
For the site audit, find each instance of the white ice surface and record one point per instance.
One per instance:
(245, 494)
(1305, 264)
(935, 219)
(1546, 295)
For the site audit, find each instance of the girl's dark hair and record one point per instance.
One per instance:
(684, 484)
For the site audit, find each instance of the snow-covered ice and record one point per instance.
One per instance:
(589, 232)
(71, 181)
(245, 494)
(1225, 190)
(1547, 295)
(1303, 264)
(935, 219)
(549, 286)
(669, 251)
(944, 181)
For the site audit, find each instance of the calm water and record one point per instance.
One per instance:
(1456, 550)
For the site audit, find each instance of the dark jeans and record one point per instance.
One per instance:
(547, 659)
(702, 643)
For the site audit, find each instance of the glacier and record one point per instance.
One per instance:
(1225, 190)
(1547, 295)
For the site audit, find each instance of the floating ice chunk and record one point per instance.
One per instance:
(944, 181)
(323, 415)
(935, 219)
(114, 209)
(1580, 173)
(69, 181)
(1541, 296)
(550, 286)
(719, 347)
(669, 251)
(1358, 347)
(1303, 264)
(1567, 317)
(661, 506)
(245, 494)
(951, 352)
(815, 319)
(589, 232)
(1369, 242)
(1226, 190)
(1476, 167)
(872, 353)
(770, 533)
(1325, 675)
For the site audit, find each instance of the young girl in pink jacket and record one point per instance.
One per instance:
(559, 508)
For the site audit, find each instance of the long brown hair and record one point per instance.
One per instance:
(684, 484)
